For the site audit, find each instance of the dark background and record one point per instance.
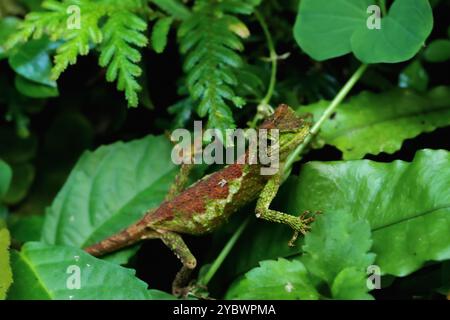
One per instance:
(83, 87)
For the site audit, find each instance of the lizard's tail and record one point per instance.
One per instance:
(124, 238)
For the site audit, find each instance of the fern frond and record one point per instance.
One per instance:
(174, 8)
(36, 24)
(54, 23)
(122, 31)
(160, 33)
(210, 41)
(118, 36)
(77, 42)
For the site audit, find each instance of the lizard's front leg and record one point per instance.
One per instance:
(182, 178)
(299, 224)
(177, 245)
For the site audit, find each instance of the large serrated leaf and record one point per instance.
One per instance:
(281, 279)
(406, 204)
(375, 123)
(336, 243)
(336, 255)
(50, 272)
(108, 190)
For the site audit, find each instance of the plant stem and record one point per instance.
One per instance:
(328, 112)
(382, 4)
(223, 254)
(273, 57)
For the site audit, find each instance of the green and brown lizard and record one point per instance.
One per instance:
(208, 203)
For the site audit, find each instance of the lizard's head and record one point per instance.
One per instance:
(292, 129)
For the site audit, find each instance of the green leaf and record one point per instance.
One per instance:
(336, 248)
(325, 30)
(7, 27)
(414, 76)
(350, 284)
(373, 123)
(32, 62)
(25, 228)
(5, 178)
(160, 295)
(337, 241)
(23, 177)
(281, 279)
(108, 190)
(336, 251)
(5, 268)
(254, 244)
(406, 204)
(160, 34)
(33, 89)
(438, 51)
(46, 272)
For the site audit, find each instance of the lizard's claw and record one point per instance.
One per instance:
(303, 226)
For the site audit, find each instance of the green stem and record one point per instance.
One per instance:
(328, 112)
(264, 103)
(382, 4)
(273, 58)
(223, 254)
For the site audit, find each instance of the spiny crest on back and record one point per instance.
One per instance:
(284, 118)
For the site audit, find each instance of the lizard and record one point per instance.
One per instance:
(208, 203)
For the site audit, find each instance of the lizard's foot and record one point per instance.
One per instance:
(181, 292)
(192, 290)
(302, 226)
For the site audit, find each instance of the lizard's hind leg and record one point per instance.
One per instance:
(177, 245)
